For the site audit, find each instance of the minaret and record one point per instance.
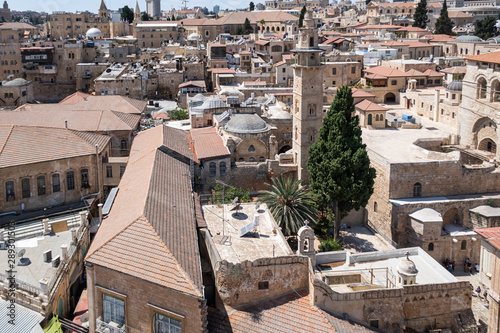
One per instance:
(137, 12)
(307, 95)
(103, 11)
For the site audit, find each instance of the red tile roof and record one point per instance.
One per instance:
(453, 70)
(109, 102)
(289, 313)
(458, 14)
(222, 70)
(413, 29)
(207, 144)
(384, 71)
(492, 57)
(440, 38)
(431, 73)
(21, 145)
(378, 27)
(150, 232)
(262, 42)
(419, 44)
(395, 43)
(197, 83)
(414, 72)
(359, 93)
(366, 105)
(491, 235)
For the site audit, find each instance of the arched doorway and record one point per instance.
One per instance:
(370, 119)
(452, 215)
(488, 145)
(284, 149)
(390, 98)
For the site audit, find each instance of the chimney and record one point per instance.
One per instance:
(436, 106)
(44, 283)
(64, 250)
(83, 218)
(100, 211)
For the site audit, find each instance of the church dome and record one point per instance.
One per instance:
(213, 103)
(455, 86)
(246, 123)
(93, 32)
(468, 39)
(407, 267)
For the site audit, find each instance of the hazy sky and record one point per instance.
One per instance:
(93, 5)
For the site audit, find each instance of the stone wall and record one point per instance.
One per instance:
(238, 284)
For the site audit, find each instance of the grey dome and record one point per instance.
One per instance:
(213, 103)
(198, 98)
(455, 86)
(246, 123)
(407, 267)
(494, 40)
(468, 39)
(15, 83)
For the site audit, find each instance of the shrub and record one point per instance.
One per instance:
(330, 244)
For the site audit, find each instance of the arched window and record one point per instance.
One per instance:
(251, 159)
(481, 88)
(276, 48)
(376, 117)
(9, 191)
(463, 246)
(70, 180)
(56, 183)
(417, 190)
(430, 247)
(241, 159)
(382, 117)
(311, 42)
(262, 159)
(26, 188)
(375, 207)
(222, 169)
(212, 169)
(40, 184)
(85, 178)
(495, 91)
(251, 148)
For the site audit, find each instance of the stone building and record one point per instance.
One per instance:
(371, 115)
(5, 12)
(16, 92)
(477, 116)
(307, 95)
(337, 74)
(10, 64)
(154, 282)
(45, 167)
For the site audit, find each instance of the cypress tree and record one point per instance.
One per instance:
(338, 163)
(444, 25)
(302, 15)
(420, 16)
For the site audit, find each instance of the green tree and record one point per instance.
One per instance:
(127, 14)
(240, 31)
(486, 28)
(330, 244)
(339, 165)
(145, 17)
(247, 27)
(289, 203)
(444, 25)
(420, 16)
(178, 114)
(226, 194)
(252, 6)
(302, 15)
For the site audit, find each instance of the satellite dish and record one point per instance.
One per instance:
(235, 200)
(21, 253)
(257, 205)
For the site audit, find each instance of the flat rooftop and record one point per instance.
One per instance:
(396, 145)
(265, 241)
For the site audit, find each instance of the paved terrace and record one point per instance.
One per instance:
(396, 145)
(264, 242)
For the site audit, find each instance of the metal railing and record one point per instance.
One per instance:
(21, 285)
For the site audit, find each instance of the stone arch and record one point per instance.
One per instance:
(259, 149)
(306, 240)
(452, 215)
(488, 145)
(284, 149)
(484, 128)
(481, 88)
(495, 90)
(389, 98)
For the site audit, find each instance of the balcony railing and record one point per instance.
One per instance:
(102, 326)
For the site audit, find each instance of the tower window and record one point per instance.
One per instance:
(417, 190)
(311, 42)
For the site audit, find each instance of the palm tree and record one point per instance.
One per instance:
(289, 203)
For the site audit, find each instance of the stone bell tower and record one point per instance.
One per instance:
(307, 95)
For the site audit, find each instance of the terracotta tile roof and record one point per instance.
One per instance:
(458, 14)
(413, 29)
(20, 145)
(113, 102)
(492, 57)
(207, 143)
(55, 115)
(440, 38)
(16, 25)
(431, 73)
(366, 105)
(150, 232)
(292, 312)
(419, 44)
(359, 93)
(491, 235)
(245, 52)
(378, 26)
(197, 83)
(336, 40)
(414, 72)
(222, 70)
(396, 4)
(262, 42)
(453, 70)
(161, 115)
(278, 64)
(384, 71)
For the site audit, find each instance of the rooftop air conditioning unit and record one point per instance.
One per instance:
(47, 256)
